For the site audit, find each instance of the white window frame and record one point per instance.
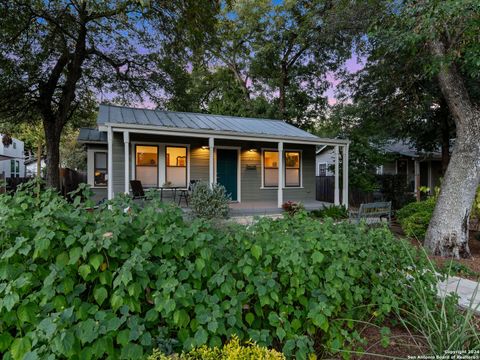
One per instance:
(326, 168)
(262, 185)
(91, 167)
(162, 173)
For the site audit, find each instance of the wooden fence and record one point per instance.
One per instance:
(69, 181)
(325, 188)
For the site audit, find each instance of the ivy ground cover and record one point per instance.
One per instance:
(120, 282)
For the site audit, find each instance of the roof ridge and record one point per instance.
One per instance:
(192, 112)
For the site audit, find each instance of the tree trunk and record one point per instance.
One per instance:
(447, 233)
(39, 159)
(52, 138)
(445, 135)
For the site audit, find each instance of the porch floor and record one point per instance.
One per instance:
(268, 207)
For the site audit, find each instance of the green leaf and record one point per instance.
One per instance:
(100, 294)
(317, 257)
(181, 318)
(84, 270)
(296, 324)
(27, 313)
(256, 251)
(74, 255)
(96, 260)
(212, 326)
(116, 301)
(199, 264)
(10, 300)
(132, 351)
(123, 337)
(281, 333)
(5, 341)
(201, 337)
(20, 347)
(249, 318)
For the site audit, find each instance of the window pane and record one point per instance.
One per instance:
(100, 172)
(176, 156)
(177, 176)
(12, 166)
(292, 159)
(146, 161)
(147, 155)
(270, 159)
(100, 178)
(271, 177)
(292, 168)
(322, 169)
(292, 177)
(17, 167)
(101, 160)
(176, 166)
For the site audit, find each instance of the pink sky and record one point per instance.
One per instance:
(352, 65)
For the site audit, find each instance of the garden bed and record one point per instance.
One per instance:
(466, 268)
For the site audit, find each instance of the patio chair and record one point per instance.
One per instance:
(186, 193)
(137, 189)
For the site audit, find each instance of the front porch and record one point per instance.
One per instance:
(268, 207)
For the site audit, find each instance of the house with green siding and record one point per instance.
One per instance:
(261, 162)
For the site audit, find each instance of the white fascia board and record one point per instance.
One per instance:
(202, 133)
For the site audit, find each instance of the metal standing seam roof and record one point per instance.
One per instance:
(92, 135)
(121, 115)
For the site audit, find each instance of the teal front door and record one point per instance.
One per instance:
(227, 171)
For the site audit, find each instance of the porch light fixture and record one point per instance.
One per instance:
(204, 147)
(253, 150)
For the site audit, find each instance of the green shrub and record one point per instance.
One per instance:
(233, 350)
(415, 217)
(209, 202)
(336, 212)
(116, 283)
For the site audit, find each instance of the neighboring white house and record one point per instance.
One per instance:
(31, 166)
(419, 168)
(14, 166)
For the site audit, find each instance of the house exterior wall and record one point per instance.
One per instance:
(16, 149)
(325, 157)
(198, 164)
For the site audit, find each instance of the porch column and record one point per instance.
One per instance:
(110, 163)
(280, 175)
(336, 196)
(126, 145)
(417, 179)
(211, 173)
(345, 176)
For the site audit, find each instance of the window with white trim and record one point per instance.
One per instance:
(270, 168)
(292, 168)
(146, 165)
(14, 168)
(100, 168)
(322, 169)
(176, 166)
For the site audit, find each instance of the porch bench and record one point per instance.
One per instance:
(371, 211)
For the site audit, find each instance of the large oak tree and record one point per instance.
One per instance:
(54, 54)
(441, 40)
